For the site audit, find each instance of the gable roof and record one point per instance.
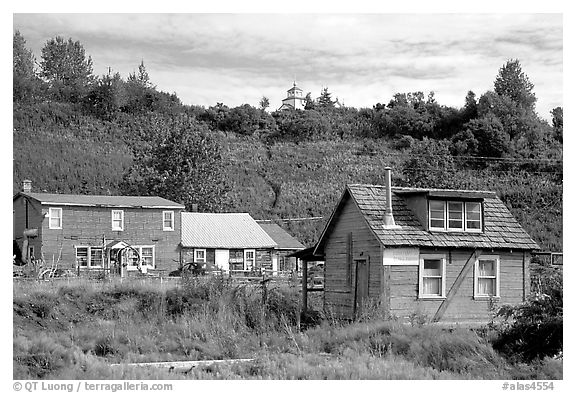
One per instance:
(223, 230)
(101, 200)
(501, 230)
(280, 236)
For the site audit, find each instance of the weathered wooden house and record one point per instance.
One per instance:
(88, 233)
(286, 245)
(233, 242)
(448, 255)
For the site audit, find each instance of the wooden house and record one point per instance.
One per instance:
(449, 255)
(234, 242)
(89, 233)
(286, 245)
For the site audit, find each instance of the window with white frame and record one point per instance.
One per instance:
(168, 220)
(249, 259)
(199, 255)
(432, 277)
(117, 220)
(437, 214)
(487, 276)
(454, 216)
(141, 256)
(55, 218)
(473, 216)
(89, 257)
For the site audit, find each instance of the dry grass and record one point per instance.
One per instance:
(75, 329)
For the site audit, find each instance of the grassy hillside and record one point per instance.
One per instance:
(75, 330)
(62, 150)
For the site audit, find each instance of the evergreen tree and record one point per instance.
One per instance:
(325, 99)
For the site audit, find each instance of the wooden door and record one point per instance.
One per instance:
(361, 292)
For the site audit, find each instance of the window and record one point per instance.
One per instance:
(96, 259)
(31, 253)
(117, 220)
(487, 276)
(144, 254)
(89, 257)
(437, 213)
(168, 221)
(473, 216)
(55, 218)
(455, 216)
(82, 256)
(200, 256)
(249, 259)
(432, 280)
(147, 256)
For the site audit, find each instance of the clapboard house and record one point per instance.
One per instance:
(448, 255)
(233, 242)
(90, 233)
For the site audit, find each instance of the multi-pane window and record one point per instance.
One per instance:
(200, 256)
(141, 256)
(487, 282)
(117, 220)
(437, 214)
(249, 259)
(473, 216)
(96, 259)
(168, 221)
(455, 216)
(89, 257)
(432, 276)
(55, 220)
(147, 256)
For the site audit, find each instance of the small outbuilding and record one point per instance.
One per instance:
(286, 245)
(449, 255)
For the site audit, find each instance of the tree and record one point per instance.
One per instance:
(558, 123)
(325, 99)
(430, 165)
(264, 103)
(493, 141)
(107, 96)
(470, 110)
(512, 82)
(66, 68)
(26, 84)
(180, 161)
(309, 102)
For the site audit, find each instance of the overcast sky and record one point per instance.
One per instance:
(363, 59)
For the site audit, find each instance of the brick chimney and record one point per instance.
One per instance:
(27, 186)
(388, 215)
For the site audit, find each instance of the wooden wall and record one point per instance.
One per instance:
(339, 267)
(403, 287)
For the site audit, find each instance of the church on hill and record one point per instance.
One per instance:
(294, 99)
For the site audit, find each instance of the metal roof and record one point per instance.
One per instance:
(501, 230)
(102, 200)
(284, 240)
(223, 230)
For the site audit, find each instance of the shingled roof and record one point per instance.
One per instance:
(101, 200)
(501, 230)
(223, 230)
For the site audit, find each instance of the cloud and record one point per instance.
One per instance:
(236, 58)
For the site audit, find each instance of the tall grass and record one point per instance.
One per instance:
(76, 329)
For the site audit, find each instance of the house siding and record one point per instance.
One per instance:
(87, 226)
(403, 287)
(339, 289)
(263, 256)
(34, 221)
